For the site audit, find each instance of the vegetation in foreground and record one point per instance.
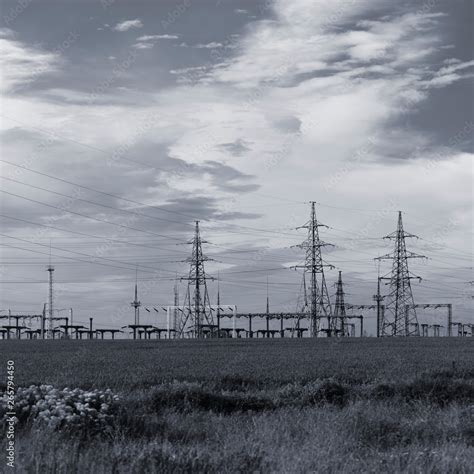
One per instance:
(409, 410)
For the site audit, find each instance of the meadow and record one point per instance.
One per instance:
(291, 405)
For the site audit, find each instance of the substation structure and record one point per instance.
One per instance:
(314, 315)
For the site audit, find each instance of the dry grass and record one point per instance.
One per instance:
(260, 406)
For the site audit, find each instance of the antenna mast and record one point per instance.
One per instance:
(135, 303)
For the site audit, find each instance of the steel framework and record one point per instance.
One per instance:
(400, 314)
(319, 305)
(196, 310)
(339, 324)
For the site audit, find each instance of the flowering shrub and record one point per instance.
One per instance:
(72, 410)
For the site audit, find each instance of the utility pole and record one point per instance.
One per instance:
(198, 310)
(320, 305)
(340, 309)
(400, 314)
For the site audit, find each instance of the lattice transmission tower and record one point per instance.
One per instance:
(340, 326)
(400, 314)
(318, 305)
(196, 313)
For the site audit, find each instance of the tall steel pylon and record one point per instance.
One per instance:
(339, 326)
(197, 306)
(319, 305)
(400, 315)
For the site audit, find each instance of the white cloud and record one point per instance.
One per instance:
(156, 37)
(127, 25)
(143, 45)
(21, 64)
(212, 45)
(450, 73)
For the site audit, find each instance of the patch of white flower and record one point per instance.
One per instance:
(66, 409)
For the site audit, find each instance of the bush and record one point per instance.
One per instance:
(441, 392)
(330, 392)
(186, 397)
(73, 411)
(384, 391)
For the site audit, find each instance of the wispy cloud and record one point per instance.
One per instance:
(128, 25)
(143, 45)
(156, 37)
(212, 45)
(21, 64)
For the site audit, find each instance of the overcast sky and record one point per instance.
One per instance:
(128, 120)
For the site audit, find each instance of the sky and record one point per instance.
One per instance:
(123, 122)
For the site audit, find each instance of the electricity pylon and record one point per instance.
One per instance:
(319, 305)
(339, 326)
(400, 315)
(197, 305)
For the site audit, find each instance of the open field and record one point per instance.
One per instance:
(291, 405)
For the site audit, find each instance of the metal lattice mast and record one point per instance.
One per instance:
(267, 319)
(400, 314)
(197, 306)
(218, 312)
(135, 304)
(340, 309)
(49, 331)
(319, 304)
(176, 303)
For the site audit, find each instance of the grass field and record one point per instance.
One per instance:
(367, 405)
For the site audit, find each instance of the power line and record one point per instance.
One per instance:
(80, 233)
(86, 216)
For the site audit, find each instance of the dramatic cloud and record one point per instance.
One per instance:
(360, 106)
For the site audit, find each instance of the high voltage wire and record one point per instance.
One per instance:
(80, 233)
(85, 215)
(173, 212)
(80, 253)
(96, 203)
(273, 232)
(140, 203)
(163, 170)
